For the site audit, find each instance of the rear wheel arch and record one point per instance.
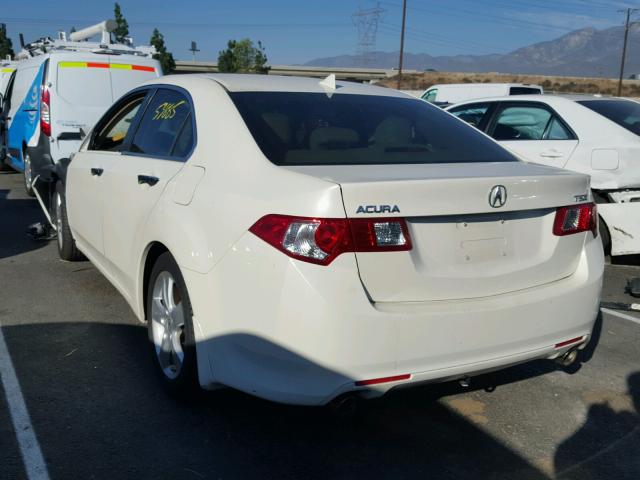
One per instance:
(152, 253)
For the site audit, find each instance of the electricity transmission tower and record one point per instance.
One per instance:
(366, 22)
(627, 25)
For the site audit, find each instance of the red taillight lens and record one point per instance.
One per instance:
(45, 112)
(576, 219)
(321, 240)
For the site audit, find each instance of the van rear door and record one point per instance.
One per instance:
(128, 73)
(81, 93)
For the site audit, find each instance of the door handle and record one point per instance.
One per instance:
(96, 172)
(551, 154)
(148, 179)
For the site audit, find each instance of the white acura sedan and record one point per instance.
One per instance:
(302, 240)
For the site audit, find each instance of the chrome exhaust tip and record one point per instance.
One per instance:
(569, 358)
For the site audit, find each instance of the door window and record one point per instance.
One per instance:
(112, 130)
(430, 95)
(161, 132)
(472, 114)
(529, 122)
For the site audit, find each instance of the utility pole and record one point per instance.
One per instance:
(627, 25)
(404, 21)
(194, 49)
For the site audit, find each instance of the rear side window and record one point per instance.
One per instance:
(294, 128)
(524, 91)
(529, 122)
(623, 112)
(472, 114)
(82, 85)
(163, 130)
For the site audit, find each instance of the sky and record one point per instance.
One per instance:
(296, 31)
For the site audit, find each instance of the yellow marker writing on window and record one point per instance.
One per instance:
(166, 110)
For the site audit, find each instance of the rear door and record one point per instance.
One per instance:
(81, 87)
(128, 73)
(534, 131)
(92, 167)
(154, 154)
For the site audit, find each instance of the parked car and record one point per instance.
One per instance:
(58, 91)
(300, 241)
(447, 94)
(592, 135)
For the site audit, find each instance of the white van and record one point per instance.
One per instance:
(447, 94)
(59, 90)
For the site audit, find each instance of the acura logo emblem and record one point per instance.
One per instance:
(498, 196)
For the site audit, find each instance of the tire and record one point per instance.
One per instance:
(28, 173)
(66, 244)
(605, 236)
(170, 329)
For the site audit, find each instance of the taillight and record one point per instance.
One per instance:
(321, 240)
(45, 112)
(576, 219)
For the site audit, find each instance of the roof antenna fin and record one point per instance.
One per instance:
(329, 85)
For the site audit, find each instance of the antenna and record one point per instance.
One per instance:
(194, 49)
(366, 22)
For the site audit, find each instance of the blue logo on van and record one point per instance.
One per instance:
(24, 124)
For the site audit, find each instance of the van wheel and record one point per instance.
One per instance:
(66, 244)
(170, 328)
(28, 174)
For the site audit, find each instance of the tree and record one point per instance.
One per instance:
(6, 47)
(162, 55)
(73, 29)
(243, 56)
(122, 27)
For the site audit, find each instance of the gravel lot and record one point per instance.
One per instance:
(97, 411)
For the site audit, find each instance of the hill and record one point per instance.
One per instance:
(587, 52)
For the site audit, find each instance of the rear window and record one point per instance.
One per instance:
(623, 112)
(313, 129)
(525, 91)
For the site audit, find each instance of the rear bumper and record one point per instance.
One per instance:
(303, 334)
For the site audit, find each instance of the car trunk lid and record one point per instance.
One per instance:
(462, 246)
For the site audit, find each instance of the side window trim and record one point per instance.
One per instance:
(133, 129)
(502, 106)
(156, 88)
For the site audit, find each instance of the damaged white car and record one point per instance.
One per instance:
(587, 134)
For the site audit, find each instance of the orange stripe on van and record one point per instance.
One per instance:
(119, 66)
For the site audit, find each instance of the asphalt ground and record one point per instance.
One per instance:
(97, 410)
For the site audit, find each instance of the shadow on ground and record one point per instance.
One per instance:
(15, 216)
(100, 413)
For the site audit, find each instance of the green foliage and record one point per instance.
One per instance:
(242, 56)
(122, 28)
(6, 48)
(162, 55)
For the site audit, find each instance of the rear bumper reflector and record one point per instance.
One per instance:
(376, 381)
(569, 342)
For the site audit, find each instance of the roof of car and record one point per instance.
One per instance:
(547, 98)
(277, 83)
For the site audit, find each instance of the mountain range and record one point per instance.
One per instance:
(586, 52)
